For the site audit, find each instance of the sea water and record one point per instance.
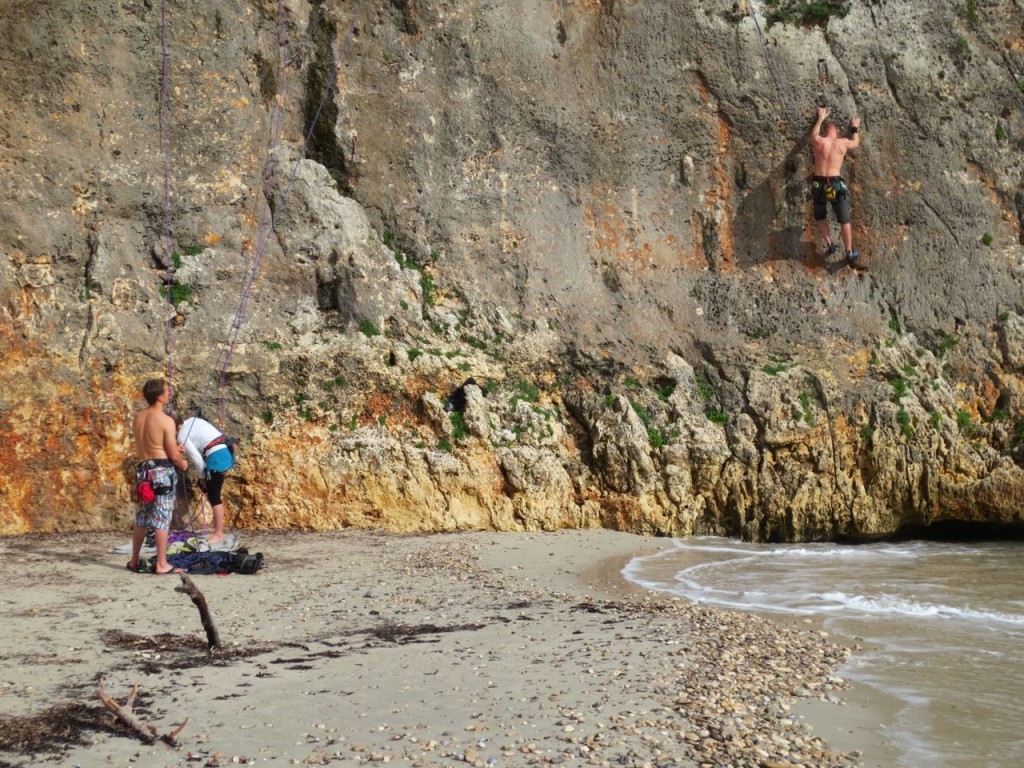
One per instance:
(940, 627)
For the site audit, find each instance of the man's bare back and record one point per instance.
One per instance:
(829, 154)
(830, 150)
(151, 428)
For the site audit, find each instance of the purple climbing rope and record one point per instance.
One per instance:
(268, 213)
(165, 147)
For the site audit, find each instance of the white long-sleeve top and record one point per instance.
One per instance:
(195, 434)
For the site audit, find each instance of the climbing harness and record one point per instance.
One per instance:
(830, 188)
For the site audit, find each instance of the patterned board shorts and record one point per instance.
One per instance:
(158, 513)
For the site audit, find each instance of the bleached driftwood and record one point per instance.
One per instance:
(127, 716)
(190, 589)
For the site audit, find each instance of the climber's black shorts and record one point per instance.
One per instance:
(841, 202)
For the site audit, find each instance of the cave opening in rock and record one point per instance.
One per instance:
(960, 530)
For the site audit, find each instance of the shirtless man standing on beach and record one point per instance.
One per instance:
(828, 187)
(158, 456)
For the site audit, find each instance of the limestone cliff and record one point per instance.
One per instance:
(321, 217)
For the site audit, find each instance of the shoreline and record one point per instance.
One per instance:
(854, 723)
(486, 649)
(858, 720)
(856, 717)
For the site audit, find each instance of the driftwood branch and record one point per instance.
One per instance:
(190, 589)
(127, 716)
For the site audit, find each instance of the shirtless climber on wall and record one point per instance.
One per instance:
(828, 186)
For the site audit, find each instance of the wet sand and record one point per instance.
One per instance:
(474, 649)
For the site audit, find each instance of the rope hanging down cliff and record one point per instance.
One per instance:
(268, 207)
(263, 213)
(270, 212)
(267, 178)
(265, 225)
(794, 117)
(165, 150)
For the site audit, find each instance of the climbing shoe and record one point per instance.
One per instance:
(831, 250)
(856, 263)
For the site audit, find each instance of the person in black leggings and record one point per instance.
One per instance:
(210, 452)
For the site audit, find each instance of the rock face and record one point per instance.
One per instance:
(321, 218)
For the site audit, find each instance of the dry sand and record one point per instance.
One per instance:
(475, 649)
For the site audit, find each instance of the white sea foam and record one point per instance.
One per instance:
(724, 581)
(891, 604)
(718, 546)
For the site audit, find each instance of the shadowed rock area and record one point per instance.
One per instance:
(597, 210)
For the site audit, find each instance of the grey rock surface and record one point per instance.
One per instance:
(322, 217)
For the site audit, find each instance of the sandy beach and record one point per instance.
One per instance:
(477, 649)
